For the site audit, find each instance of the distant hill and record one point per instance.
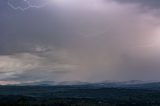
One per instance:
(136, 84)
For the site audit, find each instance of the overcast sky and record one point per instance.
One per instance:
(79, 40)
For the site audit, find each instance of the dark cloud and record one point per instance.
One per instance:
(148, 3)
(21, 31)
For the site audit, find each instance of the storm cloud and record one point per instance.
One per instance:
(79, 40)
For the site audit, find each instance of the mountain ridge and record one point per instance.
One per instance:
(136, 84)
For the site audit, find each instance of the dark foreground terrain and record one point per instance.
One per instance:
(77, 96)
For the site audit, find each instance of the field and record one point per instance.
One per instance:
(77, 96)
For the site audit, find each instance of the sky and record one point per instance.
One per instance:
(79, 40)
